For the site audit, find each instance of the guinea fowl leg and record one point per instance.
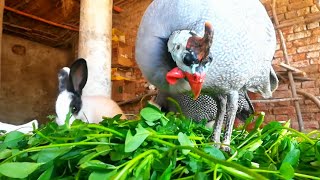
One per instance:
(232, 107)
(219, 122)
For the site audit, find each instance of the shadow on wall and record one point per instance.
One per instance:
(29, 79)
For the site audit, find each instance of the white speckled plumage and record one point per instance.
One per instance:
(242, 49)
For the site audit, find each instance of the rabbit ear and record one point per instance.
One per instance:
(63, 77)
(78, 76)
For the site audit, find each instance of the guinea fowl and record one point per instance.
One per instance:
(213, 47)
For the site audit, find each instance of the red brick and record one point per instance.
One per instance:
(282, 118)
(314, 9)
(287, 30)
(313, 54)
(299, 28)
(311, 125)
(300, 4)
(299, 57)
(283, 87)
(291, 14)
(281, 17)
(298, 85)
(304, 11)
(308, 84)
(310, 69)
(316, 31)
(309, 109)
(308, 102)
(299, 35)
(303, 63)
(313, 25)
(284, 110)
(269, 118)
(281, 94)
(292, 51)
(283, 2)
(317, 117)
(314, 61)
(278, 53)
(308, 116)
(314, 91)
(295, 125)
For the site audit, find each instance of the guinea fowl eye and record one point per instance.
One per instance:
(178, 47)
(190, 59)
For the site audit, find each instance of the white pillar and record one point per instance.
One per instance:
(1, 25)
(95, 36)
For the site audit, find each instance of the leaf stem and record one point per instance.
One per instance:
(224, 163)
(160, 136)
(33, 149)
(133, 161)
(106, 129)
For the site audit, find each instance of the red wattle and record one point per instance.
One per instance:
(174, 75)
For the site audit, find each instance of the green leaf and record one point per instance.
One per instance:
(185, 141)
(150, 114)
(103, 148)
(317, 147)
(166, 175)
(287, 171)
(201, 175)
(50, 154)
(5, 153)
(46, 175)
(18, 169)
(292, 157)
(87, 157)
(133, 142)
(97, 165)
(215, 152)
(102, 175)
(12, 139)
(271, 125)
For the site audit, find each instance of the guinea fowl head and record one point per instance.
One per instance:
(192, 56)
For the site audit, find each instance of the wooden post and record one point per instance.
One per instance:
(1, 23)
(290, 76)
(95, 34)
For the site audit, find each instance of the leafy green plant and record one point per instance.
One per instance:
(158, 146)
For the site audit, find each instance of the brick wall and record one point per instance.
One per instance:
(128, 22)
(303, 43)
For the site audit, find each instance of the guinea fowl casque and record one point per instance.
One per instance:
(213, 47)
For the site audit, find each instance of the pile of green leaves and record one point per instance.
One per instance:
(158, 146)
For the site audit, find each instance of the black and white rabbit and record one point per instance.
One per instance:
(87, 108)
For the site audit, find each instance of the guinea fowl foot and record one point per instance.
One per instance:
(225, 148)
(217, 127)
(228, 107)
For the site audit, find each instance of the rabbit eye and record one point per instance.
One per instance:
(74, 109)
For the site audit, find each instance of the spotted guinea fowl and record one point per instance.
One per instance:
(212, 47)
(204, 107)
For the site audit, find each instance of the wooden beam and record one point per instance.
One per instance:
(40, 19)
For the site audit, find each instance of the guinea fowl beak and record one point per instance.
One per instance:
(195, 81)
